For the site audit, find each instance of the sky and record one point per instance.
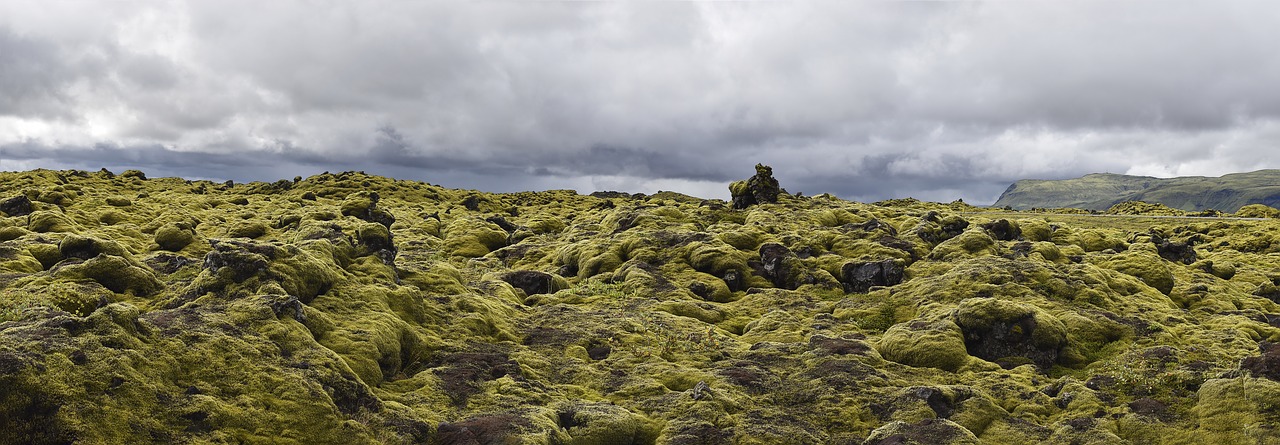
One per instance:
(866, 100)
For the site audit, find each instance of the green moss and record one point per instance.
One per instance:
(938, 344)
(47, 254)
(174, 237)
(114, 273)
(1144, 265)
(11, 233)
(248, 229)
(603, 424)
(343, 324)
(44, 221)
(968, 244)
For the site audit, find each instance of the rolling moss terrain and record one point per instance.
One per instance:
(348, 309)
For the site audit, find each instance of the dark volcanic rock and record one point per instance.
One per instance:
(16, 206)
(774, 264)
(532, 282)
(244, 259)
(482, 430)
(1184, 253)
(860, 277)
(1266, 365)
(1003, 230)
(1009, 334)
(760, 189)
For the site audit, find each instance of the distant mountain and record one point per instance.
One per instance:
(1100, 191)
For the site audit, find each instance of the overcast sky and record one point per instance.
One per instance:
(865, 100)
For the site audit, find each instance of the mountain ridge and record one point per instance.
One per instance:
(1100, 191)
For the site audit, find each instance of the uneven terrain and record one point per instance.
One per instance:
(349, 308)
(1099, 192)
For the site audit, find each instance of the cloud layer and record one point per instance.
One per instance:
(867, 100)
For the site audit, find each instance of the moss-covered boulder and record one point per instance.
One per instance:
(174, 236)
(928, 431)
(1010, 333)
(761, 188)
(1142, 264)
(113, 272)
(1003, 230)
(938, 344)
(1239, 410)
(16, 206)
(860, 277)
(364, 205)
(602, 424)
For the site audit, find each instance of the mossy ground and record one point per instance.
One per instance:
(348, 308)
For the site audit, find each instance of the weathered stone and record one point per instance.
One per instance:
(16, 206)
(1003, 230)
(759, 189)
(860, 277)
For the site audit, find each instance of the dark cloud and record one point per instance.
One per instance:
(937, 100)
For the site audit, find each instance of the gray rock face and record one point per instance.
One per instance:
(860, 277)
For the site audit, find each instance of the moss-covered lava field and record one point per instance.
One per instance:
(352, 309)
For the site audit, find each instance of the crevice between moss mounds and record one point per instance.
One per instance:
(759, 189)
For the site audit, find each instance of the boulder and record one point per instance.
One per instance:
(364, 205)
(1266, 365)
(1010, 334)
(759, 189)
(16, 206)
(927, 431)
(859, 277)
(1003, 230)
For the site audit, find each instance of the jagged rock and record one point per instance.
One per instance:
(774, 264)
(16, 206)
(860, 277)
(935, 228)
(759, 189)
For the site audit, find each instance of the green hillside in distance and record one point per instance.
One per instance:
(1100, 191)
(350, 308)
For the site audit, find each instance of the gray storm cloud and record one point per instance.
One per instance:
(866, 100)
